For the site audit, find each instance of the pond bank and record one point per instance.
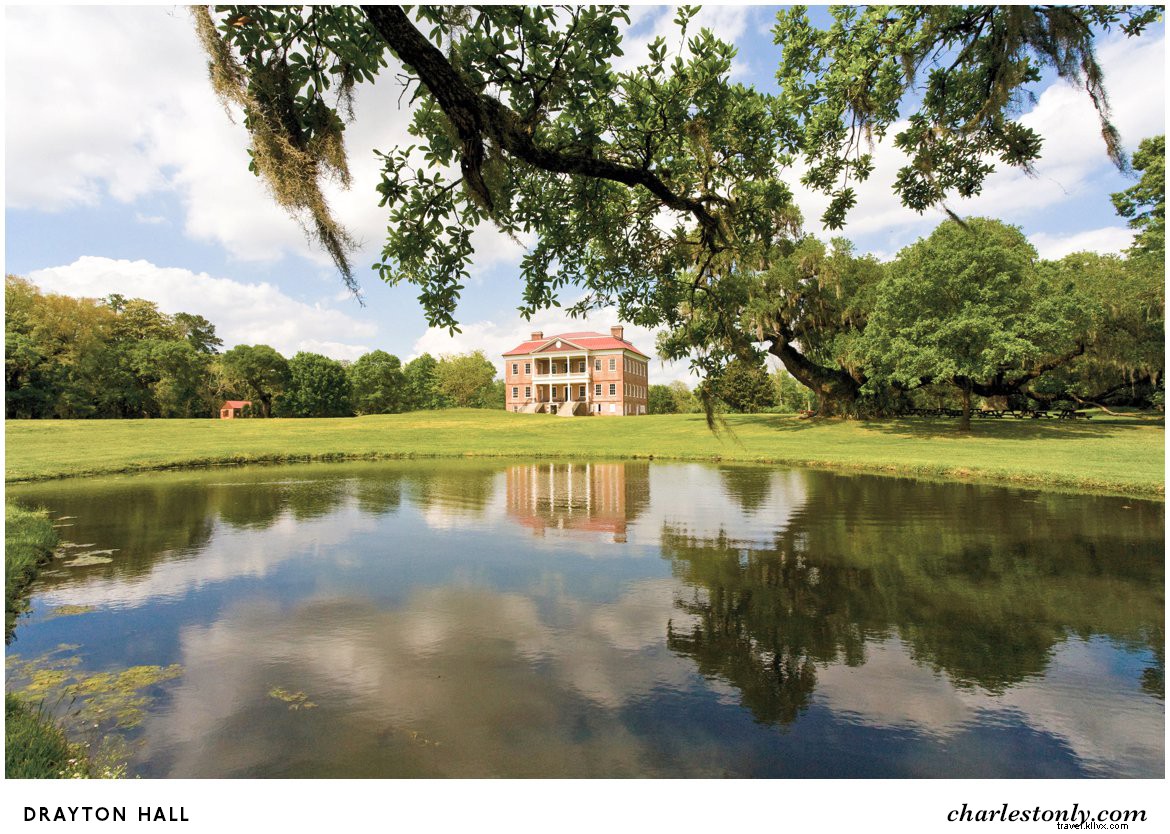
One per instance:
(34, 747)
(1120, 456)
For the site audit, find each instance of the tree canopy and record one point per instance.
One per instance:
(466, 381)
(255, 371)
(1145, 203)
(967, 305)
(317, 387)
(744, 386)
(649, 188)
(82, 357)
(377, 383)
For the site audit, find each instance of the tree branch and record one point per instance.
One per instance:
(476, 116)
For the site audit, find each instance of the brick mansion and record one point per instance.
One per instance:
(576, 374)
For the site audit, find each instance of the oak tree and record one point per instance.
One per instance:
(317, 387)
(656, 189)
(254, 372)
(377, 383)
(969, 306)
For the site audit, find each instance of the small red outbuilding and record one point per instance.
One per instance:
(232, 409)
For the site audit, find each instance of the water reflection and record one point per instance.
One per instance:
(984, 604)
(886, 626)
(593, 497)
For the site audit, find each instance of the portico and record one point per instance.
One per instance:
(576, 373)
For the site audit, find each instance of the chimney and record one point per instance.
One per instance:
(537, 335)
(616, 331)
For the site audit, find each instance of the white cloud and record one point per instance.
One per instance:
(242, 313)
(1110, 240)
(146, 120)
(1073, 154)
(727, 23)
(72, 130)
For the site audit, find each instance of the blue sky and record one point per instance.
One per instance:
(124, 174)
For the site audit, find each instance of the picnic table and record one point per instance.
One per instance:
(1000, 413)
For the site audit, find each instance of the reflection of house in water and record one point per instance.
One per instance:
(591, 497)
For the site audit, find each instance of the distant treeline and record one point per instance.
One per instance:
(69, 357)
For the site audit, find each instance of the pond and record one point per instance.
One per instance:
(473, 618)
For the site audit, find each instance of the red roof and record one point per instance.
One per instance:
(585, 339)
(236, 403)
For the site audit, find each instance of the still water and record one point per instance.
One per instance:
(606, 619)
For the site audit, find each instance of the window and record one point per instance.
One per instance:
(612, 386)
(527, 392)
(515, 369)
(597, 364)
(581, 368)
(597, 388)
(515, 393)
(527, 369)
(612, 365)
(581, 392)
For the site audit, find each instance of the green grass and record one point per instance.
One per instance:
(34, 747)
(29, 540)
(1122, 455)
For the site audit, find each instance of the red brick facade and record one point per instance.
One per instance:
(589, 373)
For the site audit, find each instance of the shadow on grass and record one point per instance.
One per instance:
(1006, 428)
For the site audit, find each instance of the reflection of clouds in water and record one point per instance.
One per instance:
(480, 671)
(450, 509)
(690, 499)
(1102, 716)
(1080, 700)
(230, 554)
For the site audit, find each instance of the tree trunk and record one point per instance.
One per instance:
(965, 421)
(836, 391)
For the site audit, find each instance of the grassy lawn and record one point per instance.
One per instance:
(1106, 454)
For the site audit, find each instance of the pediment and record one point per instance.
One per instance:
(558, 346)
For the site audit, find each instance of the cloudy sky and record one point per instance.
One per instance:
(124, 174)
